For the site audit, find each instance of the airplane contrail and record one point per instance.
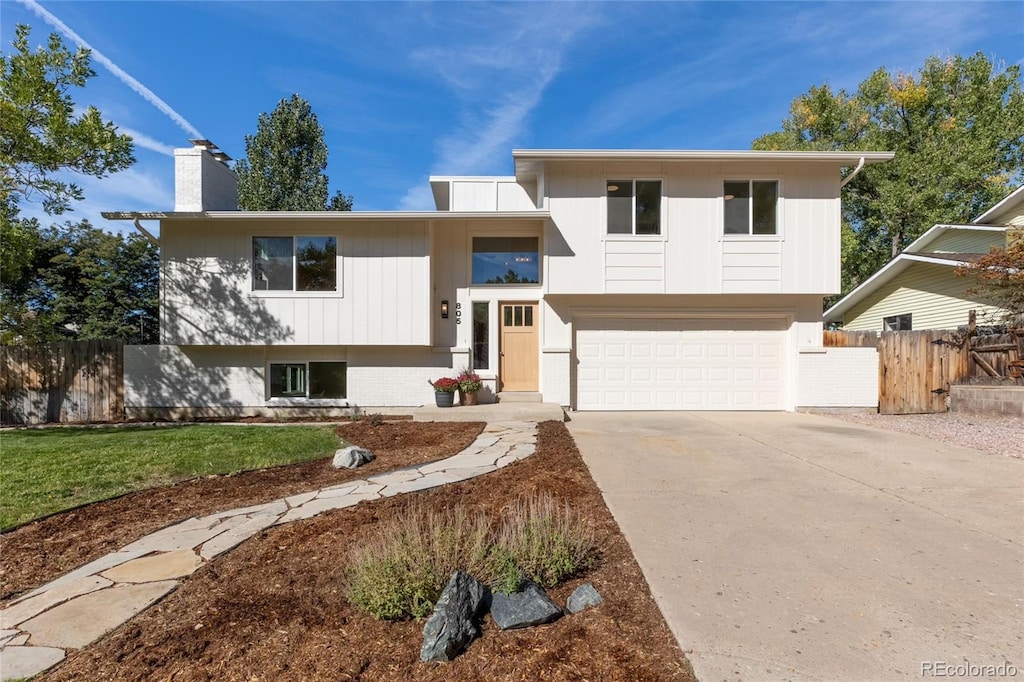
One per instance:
(124, 77)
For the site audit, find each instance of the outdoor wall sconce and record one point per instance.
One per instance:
(444, 310)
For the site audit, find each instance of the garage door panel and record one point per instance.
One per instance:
(689, 363)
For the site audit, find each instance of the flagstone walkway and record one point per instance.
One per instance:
(38, 628)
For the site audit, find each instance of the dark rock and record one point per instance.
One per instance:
(351, 457)
(452, 626)
(525, 608)
(583, 597)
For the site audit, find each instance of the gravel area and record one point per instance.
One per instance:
(997, 435)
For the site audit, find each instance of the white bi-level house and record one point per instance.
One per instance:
(597, 279)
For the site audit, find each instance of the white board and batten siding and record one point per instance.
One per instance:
(681, 363)
(489, 194)
(382, 297)
(695, 256)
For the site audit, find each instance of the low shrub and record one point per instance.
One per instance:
(401, 571)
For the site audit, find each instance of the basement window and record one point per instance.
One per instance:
(317, 380)
(898, 323)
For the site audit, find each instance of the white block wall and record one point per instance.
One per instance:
(555, 376)
(837, 377)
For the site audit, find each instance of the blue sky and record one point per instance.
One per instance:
(409, 90)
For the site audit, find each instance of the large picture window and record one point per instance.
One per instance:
(294, 264)
(506, 260)
(634, 206)
(308, 380)
(751, 206)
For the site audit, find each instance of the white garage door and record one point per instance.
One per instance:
(680, 364)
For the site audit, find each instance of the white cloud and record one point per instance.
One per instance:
(147, 142)
(418, 198)
(120, 73)
(498, 64)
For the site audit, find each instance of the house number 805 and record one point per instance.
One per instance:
(458, 313)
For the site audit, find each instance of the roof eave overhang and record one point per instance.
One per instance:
(528, 160)
(338, 216)
(887, 273)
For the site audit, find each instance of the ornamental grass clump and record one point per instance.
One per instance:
(545, 541)
(400, 572)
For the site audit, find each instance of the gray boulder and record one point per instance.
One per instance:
(351, 457)
(528, 607)
(583, 597)
(452, 626)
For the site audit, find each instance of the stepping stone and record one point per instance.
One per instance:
(20, 640)
(91, 568)
(23, 662)
(171, 539)
(425, 483)
(151, 569)
(461, 461)
(335, 492)
(466, 473)
(315, 507)
(225, 541)
(7, 635)
(28, 608)
(397, 476)
(85, 619)
(300, 499)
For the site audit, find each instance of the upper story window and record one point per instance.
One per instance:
(506, 260)
(751, 206)
(294, 264)
(634, 206)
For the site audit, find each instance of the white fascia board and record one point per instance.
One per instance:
(473, 178)
(935, 230)
(1012, 198)
(697, 155)
(342, 216)
(885, 274)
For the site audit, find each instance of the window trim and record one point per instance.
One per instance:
(749, 235)
(293, 293)
(662, 212)
(307, 383)
(472, 234)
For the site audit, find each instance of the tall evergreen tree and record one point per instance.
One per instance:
(83, 283)
(957, 128)
(285, 162)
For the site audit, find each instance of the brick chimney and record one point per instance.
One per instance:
(202, 179)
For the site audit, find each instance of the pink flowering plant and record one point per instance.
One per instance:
(445, 385)
(469, 382)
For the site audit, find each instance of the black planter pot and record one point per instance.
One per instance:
(444, 399)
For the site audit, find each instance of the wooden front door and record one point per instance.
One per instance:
(520, 347)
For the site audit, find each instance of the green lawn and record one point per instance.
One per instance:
(46, 470)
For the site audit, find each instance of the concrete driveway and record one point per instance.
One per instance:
(791, 546)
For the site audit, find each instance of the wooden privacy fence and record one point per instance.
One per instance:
(70, 381)
(915, 370)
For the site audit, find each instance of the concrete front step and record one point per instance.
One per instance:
(519, 397)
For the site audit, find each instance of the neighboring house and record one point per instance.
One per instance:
(634, 280)
(919, 288)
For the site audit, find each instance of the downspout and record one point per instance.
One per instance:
(851, 176)
(146, 233)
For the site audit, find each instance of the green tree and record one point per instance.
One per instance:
(41, 136)
(285, 162)
(999, 275)
(83, 283)
(957, 128)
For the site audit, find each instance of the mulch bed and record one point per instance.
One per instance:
(274, 607)
(43, 550)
